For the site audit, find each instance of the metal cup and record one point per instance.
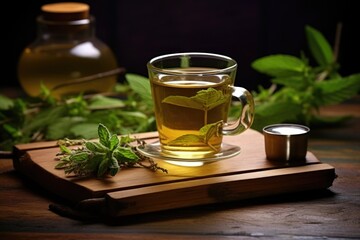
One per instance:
(286, 142)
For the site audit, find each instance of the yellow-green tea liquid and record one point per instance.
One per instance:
(176, 121)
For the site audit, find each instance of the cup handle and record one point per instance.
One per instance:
(246, 115)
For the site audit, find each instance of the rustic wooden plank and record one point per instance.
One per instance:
(220, 189)
(39, 164)
(50, 144)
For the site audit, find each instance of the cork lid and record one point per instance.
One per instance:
(65, 11)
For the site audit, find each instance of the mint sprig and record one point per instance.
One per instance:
(106, 157)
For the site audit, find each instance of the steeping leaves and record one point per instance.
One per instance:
(182, 101)
(204, 100)
(210, 98)
(205, 134)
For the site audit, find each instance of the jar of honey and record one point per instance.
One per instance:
(64, 51)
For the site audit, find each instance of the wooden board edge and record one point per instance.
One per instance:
(23, 163)
(55, 185)
(219, 189)
(23, 147)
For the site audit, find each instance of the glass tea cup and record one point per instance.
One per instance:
(192, 94)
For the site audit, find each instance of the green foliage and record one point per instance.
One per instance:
(319, 47)
(298, 89)
(42, 119)
(279, 65)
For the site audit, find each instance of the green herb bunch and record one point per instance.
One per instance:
(102, 158)
(128, 110)
(299, 89)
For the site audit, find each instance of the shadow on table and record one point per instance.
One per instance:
(188, 212)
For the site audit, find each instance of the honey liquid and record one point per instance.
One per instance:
(55, 64)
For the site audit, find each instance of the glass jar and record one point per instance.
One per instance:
(65, 51)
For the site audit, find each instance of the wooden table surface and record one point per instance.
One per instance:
(332, 213)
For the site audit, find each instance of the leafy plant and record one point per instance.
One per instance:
(299, 89)
(106, 157)
(129, 110)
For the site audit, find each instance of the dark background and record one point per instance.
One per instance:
(243, 29)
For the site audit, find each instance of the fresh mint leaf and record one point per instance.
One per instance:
(319, 46)
(124, 140)
(65, 149)
(61, 165)
(44, 119)
(13, 131)
(79, 157)
(62, 127)
(296, 82)
(275, 112)
(84, 130)
(338, 90)
(5, 102)
(123, 154)
(102, 102)
(103, 167)
(279, 65)
(114, 167)
(104, 135)
(96, 147)
(114, 142)
(94, 163)
(140, 85)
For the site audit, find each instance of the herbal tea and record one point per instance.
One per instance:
(192, 93)
(190, 113)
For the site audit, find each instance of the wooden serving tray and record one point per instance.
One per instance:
(139, 190)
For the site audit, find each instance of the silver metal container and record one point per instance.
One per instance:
(286, 142)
